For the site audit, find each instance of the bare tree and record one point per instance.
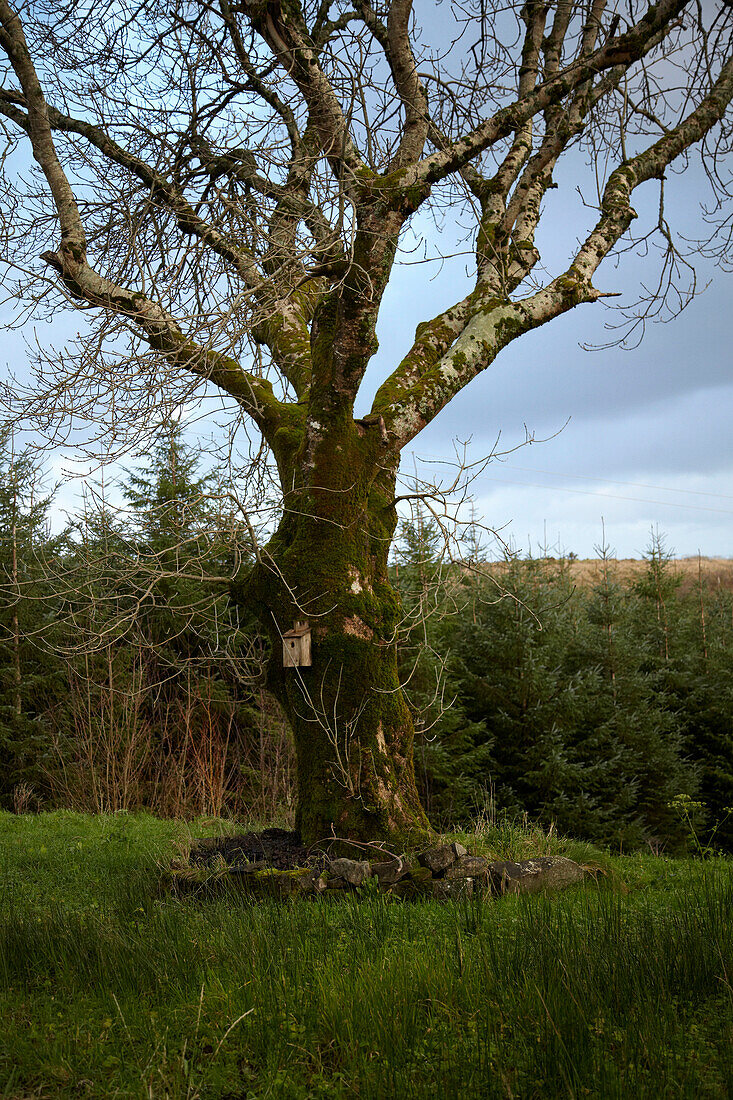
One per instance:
(221, 186)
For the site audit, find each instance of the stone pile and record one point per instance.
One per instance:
(445, 871)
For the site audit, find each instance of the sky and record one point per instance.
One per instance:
(625, 442)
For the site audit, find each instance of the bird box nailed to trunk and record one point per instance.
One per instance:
(297, 645)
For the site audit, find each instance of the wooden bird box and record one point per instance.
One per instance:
(297, 645)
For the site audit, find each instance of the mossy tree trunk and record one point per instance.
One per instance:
(327, 563)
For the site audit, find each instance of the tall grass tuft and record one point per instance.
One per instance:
(108, 988)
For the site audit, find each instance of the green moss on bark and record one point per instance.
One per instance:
(328, 562)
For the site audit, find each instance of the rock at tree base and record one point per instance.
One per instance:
(532, 875)
(287, 884)
(440, 859)
(468, 867)
(353, 871)
(391, 872)
(274, 864)
(445, 888)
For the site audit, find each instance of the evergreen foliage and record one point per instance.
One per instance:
(687, 647)
(159, 704)
(164, 660)
(28, 674)
(127, 677)
(451, 758)
(589, 709)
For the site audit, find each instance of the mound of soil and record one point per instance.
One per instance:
(276, 848)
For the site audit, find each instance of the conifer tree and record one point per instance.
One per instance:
(184, 628)
(628, 715)
(449, 767)
(28, 672)
(170, 536)
(706, 708)
(688, 640)
(578, 732)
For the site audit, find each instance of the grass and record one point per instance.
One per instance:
(108, 989)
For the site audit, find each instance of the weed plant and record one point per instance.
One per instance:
(110, 988)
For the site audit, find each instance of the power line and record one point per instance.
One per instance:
(606, 481)
(610, 496)
(612, 481)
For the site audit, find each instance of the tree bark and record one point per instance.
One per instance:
(327, 563)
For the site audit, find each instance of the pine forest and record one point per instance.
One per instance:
(128, 679)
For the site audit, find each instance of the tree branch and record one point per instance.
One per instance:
(394, 38)
(160, 329)
(285, 32)
(420, 388)
(624, 50)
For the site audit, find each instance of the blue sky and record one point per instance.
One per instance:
(638, 439)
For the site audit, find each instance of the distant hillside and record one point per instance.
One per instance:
(716, 572)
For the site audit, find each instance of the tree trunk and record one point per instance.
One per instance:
(327, 563)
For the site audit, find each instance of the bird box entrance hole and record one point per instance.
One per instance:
(297, 645)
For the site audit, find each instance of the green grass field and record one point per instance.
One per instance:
(111, 989)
